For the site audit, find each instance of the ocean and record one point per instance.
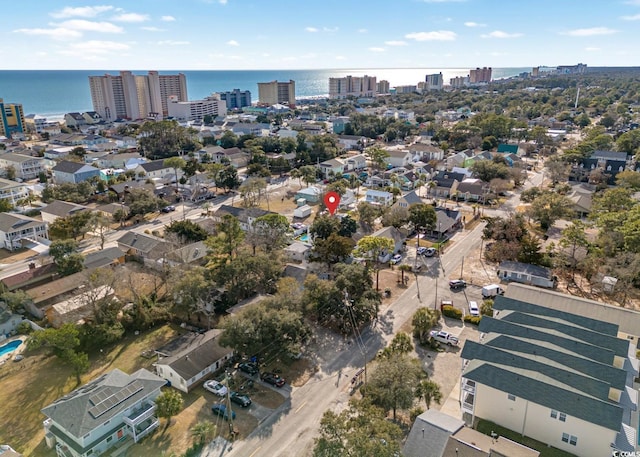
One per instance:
(52, 93)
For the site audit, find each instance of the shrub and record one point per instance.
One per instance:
(24, 328)
(415, 412)
(475, 320)
(450, 311)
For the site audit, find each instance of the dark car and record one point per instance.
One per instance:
(221, 410)
(168, 209)
(249, 368)
(457, 284)
(273, 379)
(241, 399)
(430, 252)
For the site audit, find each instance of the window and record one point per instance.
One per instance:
(563, 417)
(572, 440)
(109, 439)
(511, 397)
(554, 414)
(565, 437)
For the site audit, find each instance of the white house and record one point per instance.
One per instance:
(356, 162)
(332, 167)
(556, 376)
(352, 141)
(157, 170)
(190, 358)
(12, 191)
(26, 167)
(246, 216)
(378, 197)
(14, 228)
(399, 158)
(73, 172)
(100, 414)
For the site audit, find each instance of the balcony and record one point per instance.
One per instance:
(143, 429)
(468, 388)
(63, 451)
(140, 414)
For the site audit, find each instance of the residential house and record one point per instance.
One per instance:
(397, 236)
(43, 296)
(245, 128)
(124, 142)
(111, 209)
(601, 166)
(78, 139)
(102, 413)
(526, 273)
(26, 167)
(127, 160)
(297, 251)
(246, 216)
(32, 277)
(231, 156)
(190, 358)
(145, 247)
(582, 199)
(472, 190)
(157, 171)
(410, 198)
(310, 194)
(107, 257)
(425, 152)
(379, 197)
(331, 168)
(91, 117)
(287, 133)
(508, 148)
(458, 159)
(79, 307)
(58, 208)
(8, 451)
(545, 369)
(350, 142)
(12, 191)
(121, 189)
(74, 120)
(355, 162)
(445, 184)
(436, 434)
(73, 172)
(297, 272)
(339, 123)
(17, 230)
(447, 222)
(399, 158)
(187, 254)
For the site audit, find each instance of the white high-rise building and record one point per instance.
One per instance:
(352, 86)
(196, 109)
(130, 96)
(434, 82)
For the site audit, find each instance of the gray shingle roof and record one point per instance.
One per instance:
(430, 433)
(10, 222)
(61, 209)
(139, 241)
(570, 401)
(411, 198)
(68, 167)
(102, 258)
(154, 165)
(72, 410)
(526, 268)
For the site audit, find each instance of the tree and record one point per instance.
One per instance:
(187, 231)
(71, 226)
(549, 207)
(393, 383)
(372, 248)
(163, 139)
(142, 201)
(395, 216)
(65, 257)
(423, 217)
(331, 250)
(573, 238)
(486, 170)
(367, 214)
(203, 431)
(557, 169)
(10, 172)
(15, 300)
(99, 224)
(27, 200)
(629, 142)
(63, 342)
(323, 226)
(430, 391)
(308, 174)
(629, 179)
(251, 191)
(296, 174)
(423, 320)
(168, 404)
(400, 345)
(348, 226)
(228, 140)
(379, 157)
(270, 232)
(190, 289)
(175, 163)
(228, 178)
(244, 276)
(5, 206)
(229, 238)
(360, 430)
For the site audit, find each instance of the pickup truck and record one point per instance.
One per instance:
(444, 337)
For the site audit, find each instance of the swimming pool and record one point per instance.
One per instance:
(9, 347)
(304, 237)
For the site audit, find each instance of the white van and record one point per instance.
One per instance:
(473, 308)
(492, 290)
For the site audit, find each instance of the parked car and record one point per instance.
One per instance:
(457, 284)
(18, 358)
(395, 259)
(215, 387)
(168, 209)
(273, 379)
(241, 399)
(444, 337)
(430, 252)
(474, 310)
(249, 368)
(221, 410)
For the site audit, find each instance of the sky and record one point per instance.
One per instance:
(312, 34)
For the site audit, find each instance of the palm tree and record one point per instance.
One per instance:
(429, 390)
(27, 200)
(404, 268)
(203, 431)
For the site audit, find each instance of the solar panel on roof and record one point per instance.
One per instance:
(114, 399)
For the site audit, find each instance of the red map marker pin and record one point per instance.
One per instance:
(331, 201)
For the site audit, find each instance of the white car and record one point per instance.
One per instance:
(395, 259)
(215, 387)
(473, 309)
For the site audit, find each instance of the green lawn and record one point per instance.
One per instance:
(487, 427)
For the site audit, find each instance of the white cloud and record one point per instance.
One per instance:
(153, 29)
(376, 49)
(591, 49)
(395, 43)
(437, 35)
(90, 26)
(500, 34)
(233, 43)
(362, 30)
(590, 32)
(222, 2)
(311, 29)
(635, 17)
(82, 11)
(341, 58)
(330, 29)
(266, 54)
(58, 33)
(172, 43)
(131, 17)
(167, 18)
(474, 24)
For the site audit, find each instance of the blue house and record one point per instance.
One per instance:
(73, 172)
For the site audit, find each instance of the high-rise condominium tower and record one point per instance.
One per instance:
(11, 119)
(130, 96)
(352, 86)
(275, 92)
